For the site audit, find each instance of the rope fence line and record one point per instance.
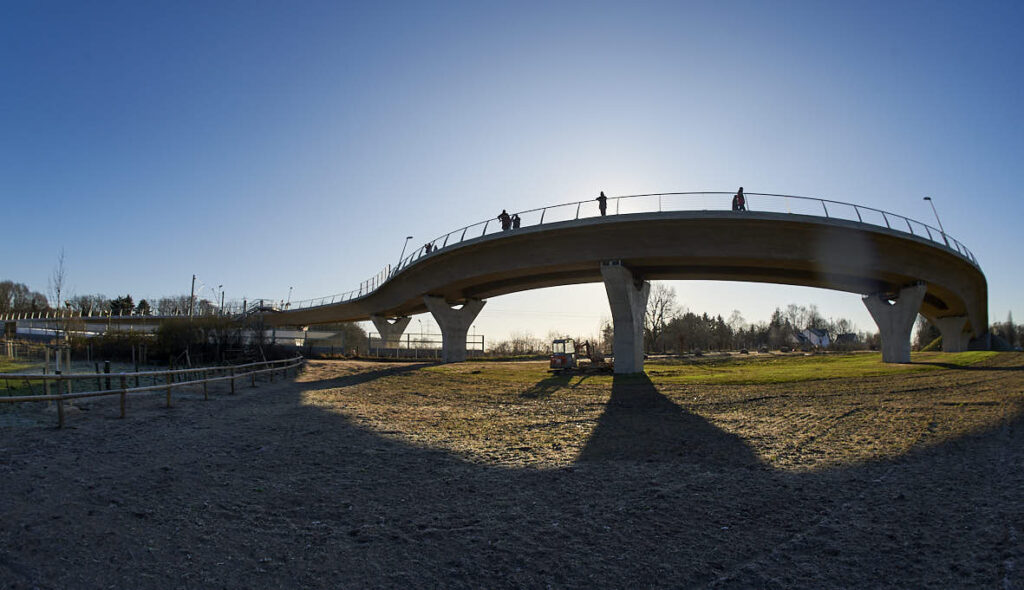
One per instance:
(227, 373)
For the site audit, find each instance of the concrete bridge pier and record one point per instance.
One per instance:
(896, 320)
(954, 339)
(627, 297)
(390, 331)
(454, 324)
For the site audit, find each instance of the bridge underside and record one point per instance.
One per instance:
(741, 246)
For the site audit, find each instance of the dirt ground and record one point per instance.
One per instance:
(360, 474)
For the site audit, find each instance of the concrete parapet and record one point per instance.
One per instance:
(627, 297)
(954, 339)
(896, 320)
(454, 324)
(390, 331)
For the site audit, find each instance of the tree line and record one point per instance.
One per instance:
(668, 328)
(19, 298)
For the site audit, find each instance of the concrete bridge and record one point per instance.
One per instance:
(899, 265)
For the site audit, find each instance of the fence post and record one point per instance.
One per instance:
(232, 381)
(271, 372)
(106, 370)
(206, 393)
(124, 394)
(46, 382)
(169, 377)
(60, 408)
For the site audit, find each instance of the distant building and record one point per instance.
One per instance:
(814, 337)
(847, 339)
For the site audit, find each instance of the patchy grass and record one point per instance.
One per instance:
(14, 366)
(731, 369)
(760, 369)
(791, 412)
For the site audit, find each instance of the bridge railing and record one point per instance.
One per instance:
(231, 308)
(663, 202)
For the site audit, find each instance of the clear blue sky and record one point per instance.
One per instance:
(263, 145)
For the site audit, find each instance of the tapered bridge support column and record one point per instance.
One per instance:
(454, 324)
(895, 321)
(627, 296)
(390, 331)
(954, 339)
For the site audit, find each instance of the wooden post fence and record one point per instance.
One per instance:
(172, 378)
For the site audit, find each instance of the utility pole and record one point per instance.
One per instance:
(192, 298)
(221, 287)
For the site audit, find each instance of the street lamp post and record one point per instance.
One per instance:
(941, 229)
(402, 255)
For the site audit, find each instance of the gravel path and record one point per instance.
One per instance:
(390, 475)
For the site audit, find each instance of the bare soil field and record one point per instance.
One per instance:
(482, 474)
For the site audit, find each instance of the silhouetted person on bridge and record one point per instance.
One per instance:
(602, 203)
(427, 248)
(739, 203)
(516, 221)
(506, 221)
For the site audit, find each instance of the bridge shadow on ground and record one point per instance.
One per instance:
(641, 424)
(956, 367)
(368, 376)
(263, 490)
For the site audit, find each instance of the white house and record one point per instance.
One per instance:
(815, 337)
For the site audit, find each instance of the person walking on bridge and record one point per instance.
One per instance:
(602, 203)
(506, 221)
(738, 202)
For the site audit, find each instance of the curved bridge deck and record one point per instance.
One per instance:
(708, 245)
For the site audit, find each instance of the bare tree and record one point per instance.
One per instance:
(661, 308)
(801, 317)
(57, 278)
(17, 297)
(736, 321)
(177, 305)
(90, 304)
